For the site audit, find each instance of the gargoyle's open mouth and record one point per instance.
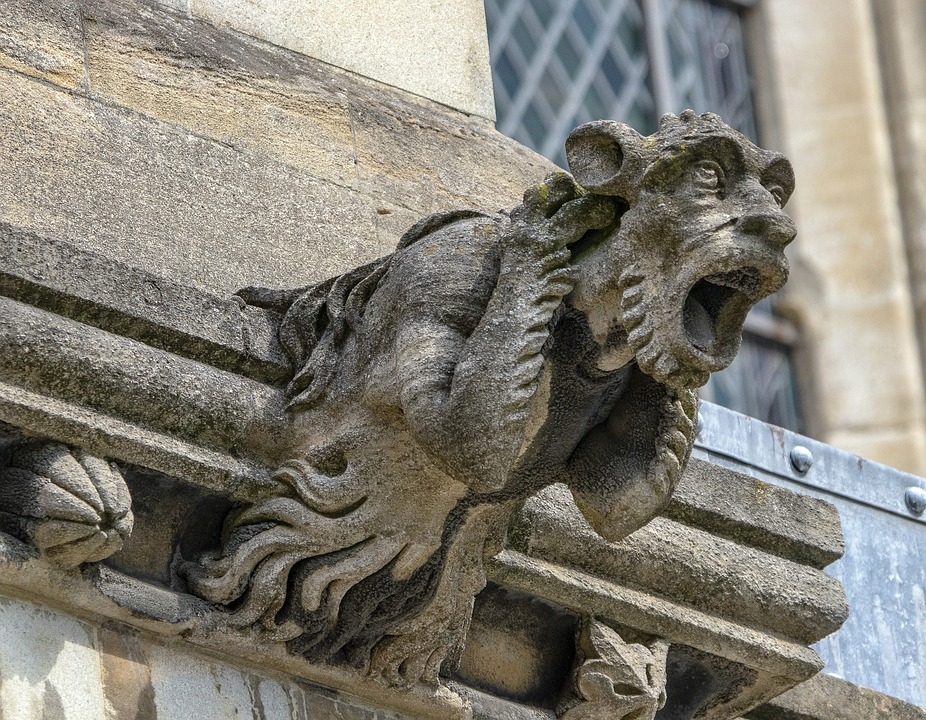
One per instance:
(716, 308)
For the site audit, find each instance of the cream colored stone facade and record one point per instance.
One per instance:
(210, 158)
(822, 84)
(436, 49)
(55, 666)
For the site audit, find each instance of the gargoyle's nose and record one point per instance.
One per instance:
(775, 228)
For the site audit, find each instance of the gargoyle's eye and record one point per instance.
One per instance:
(778, 193)
(707, 174)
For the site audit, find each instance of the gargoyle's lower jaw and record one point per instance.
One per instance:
(680, 336)
(712, 322)
(704, 333)
(714, 311)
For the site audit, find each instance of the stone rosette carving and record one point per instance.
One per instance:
(71, 505)
(489, 356)
(617, 680)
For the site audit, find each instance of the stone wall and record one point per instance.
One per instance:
(825, 106)
(53, 665)
(163, 141)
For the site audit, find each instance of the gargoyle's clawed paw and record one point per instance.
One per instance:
(72, 506)
(558, 213)
(578, 216)
(543, 200)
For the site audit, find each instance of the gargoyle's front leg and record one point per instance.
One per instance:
(476, 408)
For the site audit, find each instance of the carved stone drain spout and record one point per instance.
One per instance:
(489, 356)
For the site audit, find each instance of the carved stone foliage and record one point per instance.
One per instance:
(489, 356)
(72, 506)
(618, 680)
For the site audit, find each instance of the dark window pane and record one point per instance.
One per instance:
(631, 35)
(525, 40)
(534, 125)
(545, 10)
(551, 90)
(506, 74)
(613, 73)
(594, 106)
(568, 55)
(584, 21)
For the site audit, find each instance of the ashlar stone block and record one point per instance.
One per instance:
(49, 667)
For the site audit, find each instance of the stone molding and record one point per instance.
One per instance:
(711, 504)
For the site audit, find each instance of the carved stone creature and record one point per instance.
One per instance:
(617, 680)
(73, 506)
(488, 357)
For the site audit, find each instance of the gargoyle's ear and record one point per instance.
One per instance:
(606, 157)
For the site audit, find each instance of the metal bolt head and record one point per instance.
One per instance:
(915, 497)
(801, 459)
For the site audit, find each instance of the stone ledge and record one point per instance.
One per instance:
(771, 663)
(661, 580)
(754, 513)
(111, 437)
(113, 296)
(65, 667)
(825, 697)
(687, 565)
(120, 377)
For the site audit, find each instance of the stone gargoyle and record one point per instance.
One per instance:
(489, 356)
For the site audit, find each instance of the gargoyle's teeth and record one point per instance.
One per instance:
(745, 280)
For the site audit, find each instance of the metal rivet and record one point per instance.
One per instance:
(915, 497)
(700, 424)
(801, 459)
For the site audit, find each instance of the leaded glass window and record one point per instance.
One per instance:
(559, 63)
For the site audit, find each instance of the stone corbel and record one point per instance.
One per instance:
(616, 679)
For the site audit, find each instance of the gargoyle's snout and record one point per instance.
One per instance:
(775, 228)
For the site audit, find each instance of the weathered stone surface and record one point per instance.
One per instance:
(519, 648)
(267, 101)
(49, 667)
(436, 49)
(88, 287)
(197, 133)
(536, 645)
(306, 114)
(617, 679)
(751, 666)
(825, 697)
(189, 85)
(750, 512)
(74, 507)
(430, 373)
(44, 40)
(80, 169)
(719, 577)
(108, 436)
(127, 690)
(167, 393)
(402, 154)
(52, 666)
